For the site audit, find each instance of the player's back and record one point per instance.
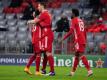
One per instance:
(36, 34)
(46, 23)
(79, 30)
(45, 19)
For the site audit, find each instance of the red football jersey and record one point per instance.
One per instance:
(36, 34)
(77, 27)
(47, 34)
(46, 23)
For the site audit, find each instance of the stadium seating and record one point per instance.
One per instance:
(2, 35)
(2, 22)
(2, 16)
(11, 22)
(22, 38)
(90, 37)
(22, 29)
(99, 37)
(18, 33)
(90, 47)
(12, 29)
(10, 16)
(12, 46)
(19, 16)
(2, 46)
(57, 12)
(11, 42)
(2, 41)
(21, 23)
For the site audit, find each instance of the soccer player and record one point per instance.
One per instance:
(77, 28)
(45, 22)
(36, 35)
(36, 47)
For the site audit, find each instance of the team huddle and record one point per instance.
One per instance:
(42, 39)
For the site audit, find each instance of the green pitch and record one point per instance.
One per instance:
(16, 73)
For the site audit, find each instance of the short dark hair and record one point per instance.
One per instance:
(75, 12)
(43, 4)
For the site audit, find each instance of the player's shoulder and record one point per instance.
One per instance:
(74, 20)
(46, 12)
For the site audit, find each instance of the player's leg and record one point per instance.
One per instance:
(50, 60)
(80, 48)
(48, 48)
(37, 61)
(75, 64)
(43, 70)
(85, 62)
(38, 58)
(51, 63)
(84, 59)
(31, 59)
(76, 60)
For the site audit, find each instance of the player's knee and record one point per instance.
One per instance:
(77, 54)
(38, 55)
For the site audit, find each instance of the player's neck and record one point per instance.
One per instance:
(44, 10)
(75, 17)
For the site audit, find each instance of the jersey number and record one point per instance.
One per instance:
(81, 26)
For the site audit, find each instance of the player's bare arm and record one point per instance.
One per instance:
(68, 34)
(36, 20)
(31, 22)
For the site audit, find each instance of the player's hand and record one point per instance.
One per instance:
(30, 23)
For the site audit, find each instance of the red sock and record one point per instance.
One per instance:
(51, 63)
(31, 59)
(85, 62)
(38, 58)
(44, 62)
(76, 61)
